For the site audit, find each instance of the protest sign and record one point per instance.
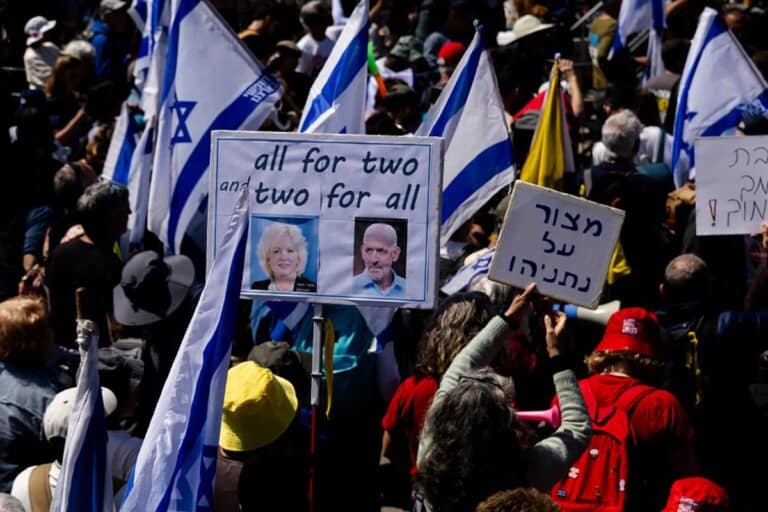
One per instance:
(347, 219)
(731, 184)
(561, 242)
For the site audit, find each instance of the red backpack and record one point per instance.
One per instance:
(597, 481)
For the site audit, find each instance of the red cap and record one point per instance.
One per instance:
(697, 494)
(633, 329)
(451, 52)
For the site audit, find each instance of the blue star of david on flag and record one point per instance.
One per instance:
(183, 109)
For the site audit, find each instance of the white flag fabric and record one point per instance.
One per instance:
(138, 187)
(655, 61)
(121, 147)
(336, 101)
(478, 159)
(176, 465)
(138, 11)
(210, 82)
(85, 481)
(637, 16)
(715, 57)
(469, 273)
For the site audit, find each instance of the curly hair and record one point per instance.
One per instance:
(642, 367)
(521, 499)
(478, 445)
(458, 319)
(25, 337)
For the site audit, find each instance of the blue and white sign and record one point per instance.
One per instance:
(341, 219)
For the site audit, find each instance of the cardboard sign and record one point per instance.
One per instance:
(561, 242)
(731, 185)
(335, 218)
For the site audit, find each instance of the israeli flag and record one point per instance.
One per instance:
(138, 188)
(637, 16)
(197, 97)
(117, 163)
(469, 273)
(85, 482)
(715, 57)
(336, 101)
(176, 465)
(469, 115)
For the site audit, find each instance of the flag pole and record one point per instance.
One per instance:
(314, 401)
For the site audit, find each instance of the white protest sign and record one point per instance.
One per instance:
(561, 242)
(731, 184)
(347, 219)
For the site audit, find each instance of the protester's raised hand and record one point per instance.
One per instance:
(764, 233)
(554, 323)
(521, 304)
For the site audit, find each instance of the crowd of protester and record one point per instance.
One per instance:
(429, 422)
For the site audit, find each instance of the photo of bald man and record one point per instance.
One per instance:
(382, 253)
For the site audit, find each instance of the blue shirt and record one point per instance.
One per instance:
(364, 285)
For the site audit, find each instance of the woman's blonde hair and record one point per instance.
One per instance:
(25, 336)
(269, 237)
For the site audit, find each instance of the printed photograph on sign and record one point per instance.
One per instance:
(380, 250)
(284, 254)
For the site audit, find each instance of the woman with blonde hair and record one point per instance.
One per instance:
(282, 251)
(27, 385)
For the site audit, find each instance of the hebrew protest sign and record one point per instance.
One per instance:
(561, 242)
(348, 219)
(731, 184)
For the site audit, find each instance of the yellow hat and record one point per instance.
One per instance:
(258, 407)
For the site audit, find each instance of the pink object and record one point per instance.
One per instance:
(551, 416)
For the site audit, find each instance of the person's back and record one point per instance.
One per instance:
(625, 359)
(24, 395)
(27, 386)
(79, 264)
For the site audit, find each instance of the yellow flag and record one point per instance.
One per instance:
(619, 267)
(550, 153)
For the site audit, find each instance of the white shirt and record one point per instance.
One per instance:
(405, 75)
(314, 54)
(39, 62)
(20, 489)
(122, 450)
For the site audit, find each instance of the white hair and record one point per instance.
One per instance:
(82, 50)
(621, 134)
(382, 232)
(270, 236)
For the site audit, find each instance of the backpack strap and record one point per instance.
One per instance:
(631, 396)
(40, 496)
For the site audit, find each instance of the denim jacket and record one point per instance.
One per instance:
(24, 395)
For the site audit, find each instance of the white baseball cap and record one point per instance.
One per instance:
(56, 417)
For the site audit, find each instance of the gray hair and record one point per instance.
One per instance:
(98, 204)
(81, 50)
(621, 134)
(10, 503)
(686, 279)
(382, 232)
